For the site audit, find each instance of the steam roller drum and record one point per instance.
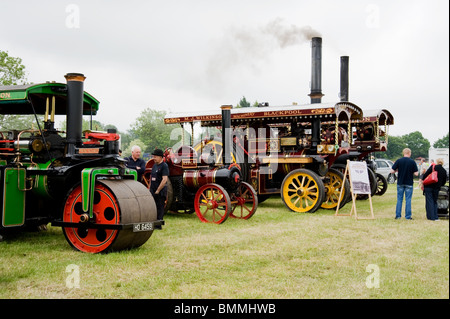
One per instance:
(115, 202)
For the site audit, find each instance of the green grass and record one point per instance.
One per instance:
(275, 254)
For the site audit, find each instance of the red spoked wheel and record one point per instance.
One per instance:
(109, 197)
(212, 204)
(244, 202)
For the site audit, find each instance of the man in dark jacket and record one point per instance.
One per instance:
(431, 191)
(406, 168)
(158, 182)
(135, 162)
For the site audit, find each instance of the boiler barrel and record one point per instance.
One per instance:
(227, 178)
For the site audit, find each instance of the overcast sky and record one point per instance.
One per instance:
(201, 54)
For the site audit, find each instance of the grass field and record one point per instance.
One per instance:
(275, 254)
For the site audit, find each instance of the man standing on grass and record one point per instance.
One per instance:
(158, 183)
(406, 168)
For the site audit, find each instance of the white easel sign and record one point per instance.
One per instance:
(359, 177)
(359, 184)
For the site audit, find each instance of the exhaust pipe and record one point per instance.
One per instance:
(343, 94)
(74, 119)
(226, 134)
(316, 86)
(316, 70)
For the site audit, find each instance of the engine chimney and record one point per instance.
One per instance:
(74, 121)
(226, 134)
(316, 86)
(343, 95)
(316, 70)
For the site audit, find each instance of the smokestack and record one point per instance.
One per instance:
(316, 86)
(75, 91)
(316, 70)
(343, 95)
(226, 134)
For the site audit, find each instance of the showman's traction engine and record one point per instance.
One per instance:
(295, 151)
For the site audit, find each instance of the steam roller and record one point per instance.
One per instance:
(72, 179)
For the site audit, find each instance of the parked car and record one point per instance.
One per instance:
(384, 167)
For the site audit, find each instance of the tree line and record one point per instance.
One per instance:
(418, 144)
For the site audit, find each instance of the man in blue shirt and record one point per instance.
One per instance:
(406, 168)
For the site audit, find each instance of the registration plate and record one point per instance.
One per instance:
(138, 227)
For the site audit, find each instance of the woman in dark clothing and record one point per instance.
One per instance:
(431, 191)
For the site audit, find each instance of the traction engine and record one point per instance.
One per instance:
(198, 184)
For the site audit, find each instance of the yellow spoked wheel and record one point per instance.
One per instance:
(302, 191)
(333, 186)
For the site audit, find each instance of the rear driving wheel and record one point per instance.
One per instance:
(244, 202)
(335, 187)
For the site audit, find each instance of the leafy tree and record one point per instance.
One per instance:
(151, 130)
(86, 125)
(12, 71)
(417, 143)
(442, 143)
(125, 139)
(19, 122)
(243, 103)
(394, 149)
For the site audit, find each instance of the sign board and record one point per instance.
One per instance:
(359, 177)
(359, 184)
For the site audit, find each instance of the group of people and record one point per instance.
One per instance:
(159, 176)
(407, 169)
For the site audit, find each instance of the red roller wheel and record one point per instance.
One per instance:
(212, 204)
(244, 202)
(115, 202)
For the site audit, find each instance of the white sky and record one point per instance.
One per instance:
(201, 54)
